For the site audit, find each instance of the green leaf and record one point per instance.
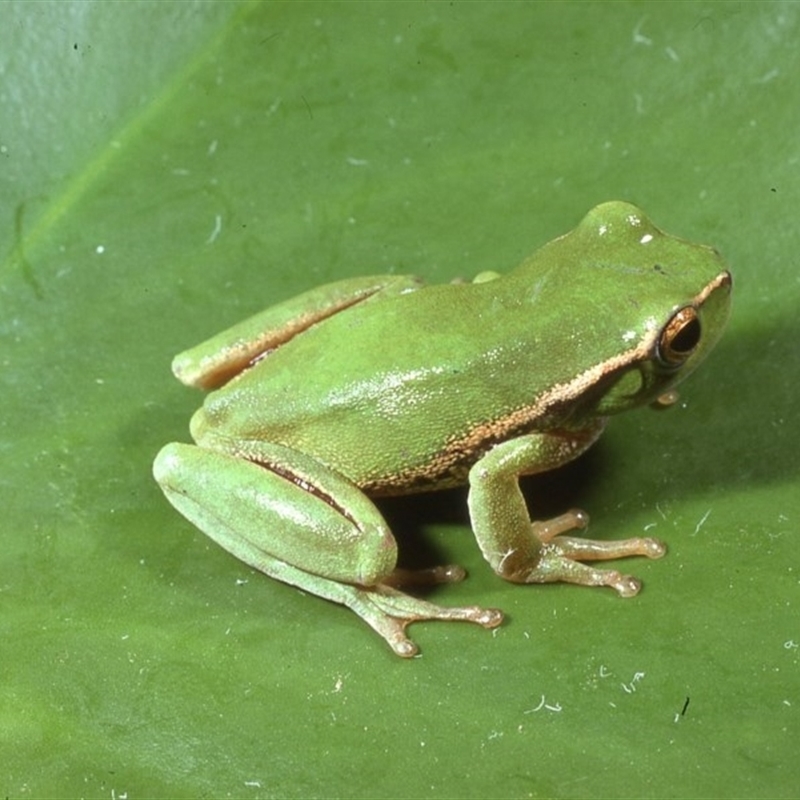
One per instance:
(167, 169)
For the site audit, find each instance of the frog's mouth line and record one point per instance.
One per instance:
(723, 280)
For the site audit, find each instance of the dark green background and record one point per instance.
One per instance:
(167, 168)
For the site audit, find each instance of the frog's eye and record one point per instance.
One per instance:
(679, 337)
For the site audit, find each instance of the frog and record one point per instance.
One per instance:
(375, 386)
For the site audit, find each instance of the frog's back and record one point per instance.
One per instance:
(408, 391)
(380, 388)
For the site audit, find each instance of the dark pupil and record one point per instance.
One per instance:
(687, 338)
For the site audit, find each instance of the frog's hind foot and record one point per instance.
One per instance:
(389, 612)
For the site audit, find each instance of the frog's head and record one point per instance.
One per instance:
(670, 302)
(671, 350)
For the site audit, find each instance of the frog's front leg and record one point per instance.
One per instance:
(538, 552)
(292, 518)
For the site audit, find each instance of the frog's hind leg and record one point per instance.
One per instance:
(384, 608)
(299, 522)
(214, 362)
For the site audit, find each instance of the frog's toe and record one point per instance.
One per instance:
(394, 632)
(548, 529)
(653, 548)
(625, 585)
(555, 565)
(404, 647)
(447, 573)
(599, 550)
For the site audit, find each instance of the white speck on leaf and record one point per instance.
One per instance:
(639, 37)
(630, 688)
(543, 704)
(217, 229)
(770, 76)
(701, 523)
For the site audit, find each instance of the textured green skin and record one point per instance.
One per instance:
(382, 386)
(377, 386)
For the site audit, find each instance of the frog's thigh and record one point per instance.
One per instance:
(260, 516)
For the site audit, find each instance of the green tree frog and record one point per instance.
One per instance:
(378, 386)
